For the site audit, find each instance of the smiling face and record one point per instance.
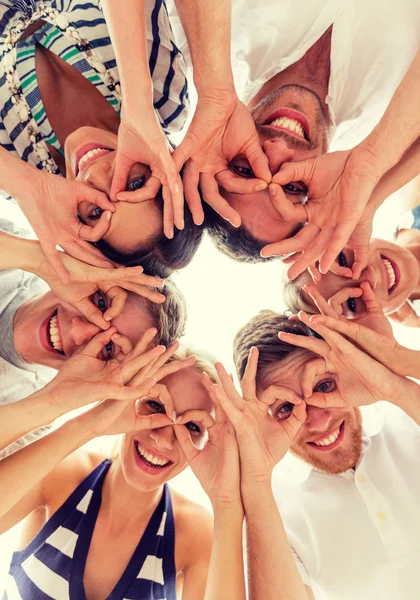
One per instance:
(149, 458)
(90, 155)
(291, 126)
(393, 273)
(330, 439)
(48, 331)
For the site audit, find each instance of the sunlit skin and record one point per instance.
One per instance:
(258, 215)
(407, 286)
(320, 422)
(75, 330)
(187, 393)
(133, 225)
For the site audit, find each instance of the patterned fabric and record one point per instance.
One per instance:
(53, 564)
(76, 31)
(411, 220)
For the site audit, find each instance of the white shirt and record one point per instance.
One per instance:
(357, 535)
(373, 44)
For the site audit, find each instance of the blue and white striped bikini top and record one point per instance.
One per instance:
(53, 564)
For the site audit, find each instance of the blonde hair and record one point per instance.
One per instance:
(294, 297)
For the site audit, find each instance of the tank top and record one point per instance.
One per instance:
(53, 564)
(411, 220)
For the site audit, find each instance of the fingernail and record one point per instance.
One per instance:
(108, 319)
(174, 416)
(261, 186)
(272, 189)
(116, 335)
(161, 283)
(177, 420)
(108, 215)
(181, 224)
(231, 222)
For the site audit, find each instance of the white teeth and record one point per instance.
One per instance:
(54, 334)
(291, 124)
(391, 273)
(91, 154)
(328, 440)
(151, 458)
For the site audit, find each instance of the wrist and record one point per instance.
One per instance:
(256, 488)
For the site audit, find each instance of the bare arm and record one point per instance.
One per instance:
(272, 571)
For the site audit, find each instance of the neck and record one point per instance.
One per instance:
(410, 240)
(121, 506)
(311, 71)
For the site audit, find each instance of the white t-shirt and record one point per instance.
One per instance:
(373, 44)
(357, 535)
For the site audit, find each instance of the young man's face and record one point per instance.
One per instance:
(331, 438)
(48, 331)
(292, 127)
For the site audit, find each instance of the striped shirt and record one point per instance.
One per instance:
(76, 31)
(53, 564)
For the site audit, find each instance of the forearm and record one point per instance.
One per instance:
(207, 26)
(20, 253)
(400, 125)
(127, 27)
(272, 571)
(21, 471)
(226, 570)
(16, 176)
(409, 400)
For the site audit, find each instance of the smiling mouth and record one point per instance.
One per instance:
(392, 272)
(89, 153)
(151, 459)
(290, 121)
(54, 335)
(330, 441)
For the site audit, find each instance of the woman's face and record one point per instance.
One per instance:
(149, 458)
(393, 273)
(90, 155)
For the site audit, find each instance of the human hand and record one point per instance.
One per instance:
(356, 379)
(86, 377)
(222, 128)
(264, 428)
(216, 466)
(340, 185)
(51, 206)
(100, 294)
(141, 139)
(373, 334)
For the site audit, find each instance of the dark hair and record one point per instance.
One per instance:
(236, 242)
(262, 331)
(162, 256)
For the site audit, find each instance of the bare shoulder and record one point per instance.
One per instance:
(194, 530)
(68, 474)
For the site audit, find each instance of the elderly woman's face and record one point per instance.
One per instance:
(90, 155)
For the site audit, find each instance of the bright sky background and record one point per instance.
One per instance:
(221, 296)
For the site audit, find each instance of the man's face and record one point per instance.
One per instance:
(90, 155)
(331, 438)
(292, 127)
(48, 331)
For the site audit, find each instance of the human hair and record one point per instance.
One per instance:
(262, 331)
(204, 361)
(170, 317)
(236, 242)
(294, 297)
(161, 256)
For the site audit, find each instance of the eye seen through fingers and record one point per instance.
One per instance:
(103, 302)
(281, 410)
(325, 387)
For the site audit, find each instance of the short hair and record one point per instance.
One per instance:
(262, 331)
(236, 242)
(170, 317)
(294, 298)
(161, 256)
(204, 361)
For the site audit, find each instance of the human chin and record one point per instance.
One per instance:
(37, 335)
(335, 450)
(399, 269)
(82, 141)
(146, 468)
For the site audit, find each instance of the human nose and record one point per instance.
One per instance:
(99, 176)
(82, 330)
(164, 437)
(318, 419)
(277, 152)
(370, 275)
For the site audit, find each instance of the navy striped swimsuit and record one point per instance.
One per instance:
(53, 564)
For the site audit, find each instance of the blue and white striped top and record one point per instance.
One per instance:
(53, 564)
(76, 31)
